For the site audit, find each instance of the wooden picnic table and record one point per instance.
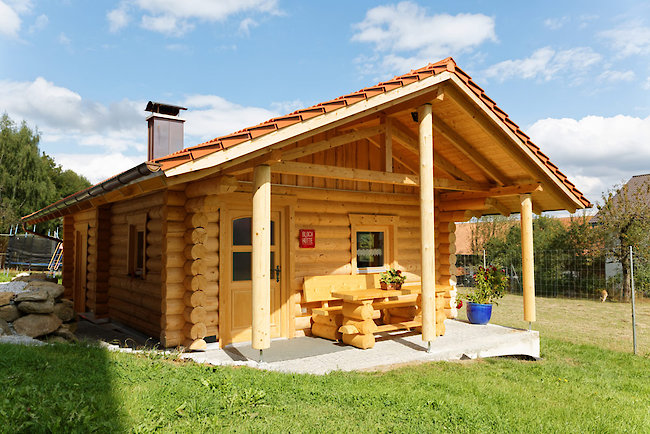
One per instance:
(362, 306)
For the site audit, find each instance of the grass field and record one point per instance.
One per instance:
(608, 325)
(576, 387)
(65, 388)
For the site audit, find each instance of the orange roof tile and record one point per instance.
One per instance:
(448, 64)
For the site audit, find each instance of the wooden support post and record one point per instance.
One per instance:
(388, 145)
(427, 224)
(527, 260)
(261, 324)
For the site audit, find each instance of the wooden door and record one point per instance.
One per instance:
(80, 267)
(237, 275)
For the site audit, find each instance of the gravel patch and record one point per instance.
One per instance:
(15, 286)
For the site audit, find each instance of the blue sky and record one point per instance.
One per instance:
(575, 75)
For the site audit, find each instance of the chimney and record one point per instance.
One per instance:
(165, 129)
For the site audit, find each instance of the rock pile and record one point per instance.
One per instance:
(37, 311)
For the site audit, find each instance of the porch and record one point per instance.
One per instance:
(309, 355)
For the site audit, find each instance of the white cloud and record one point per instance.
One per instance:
(632, 38)
(595, 152)
(646, 84)
(546, 64)
(210, 116)
(39, 24)
(246, 25)
(612, 75)
(64, 40)
(556, 23)
(118, 18)
(97, 167)
(176, 18)
(99, 140)
(405, 35)
(9, 20)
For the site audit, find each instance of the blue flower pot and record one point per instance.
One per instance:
(479, 313)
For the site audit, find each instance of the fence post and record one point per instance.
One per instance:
(633, 310)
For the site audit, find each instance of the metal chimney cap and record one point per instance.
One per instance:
(163, 108)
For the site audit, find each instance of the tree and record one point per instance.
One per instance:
(28, 180)
(623, 221)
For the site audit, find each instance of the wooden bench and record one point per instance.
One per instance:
(327, 318)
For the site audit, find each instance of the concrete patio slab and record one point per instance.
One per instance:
(309, 355)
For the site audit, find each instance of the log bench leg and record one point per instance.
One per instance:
(358, 325)
(327, 326)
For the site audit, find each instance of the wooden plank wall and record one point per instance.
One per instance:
(134, 301)
(68, 256)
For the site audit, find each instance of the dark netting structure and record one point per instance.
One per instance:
(30, 252)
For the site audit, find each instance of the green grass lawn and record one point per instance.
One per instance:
(65, 388)
(607, 325)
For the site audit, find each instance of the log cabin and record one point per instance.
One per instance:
(216, 242)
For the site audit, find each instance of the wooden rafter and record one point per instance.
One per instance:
(409, 141)
(334, 142)
(470, 152)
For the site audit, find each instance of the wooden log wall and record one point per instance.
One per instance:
(328, 215)
(68, 256)
(172, 319)
(136, 301)
(192, 267)
(98, 263)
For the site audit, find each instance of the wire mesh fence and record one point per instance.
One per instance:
(564, 274)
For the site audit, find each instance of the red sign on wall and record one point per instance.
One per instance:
(307, 238)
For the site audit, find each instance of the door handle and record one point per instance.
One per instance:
(277, 273)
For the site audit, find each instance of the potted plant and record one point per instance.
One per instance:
(491, 284)
(391, 279)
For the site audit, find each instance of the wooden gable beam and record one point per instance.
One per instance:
(351, 174)
(470, 152)
(409, 141)
(511, 190)
(335, 172)
(334, 142)
(489, 123)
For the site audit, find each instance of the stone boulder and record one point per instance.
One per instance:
(65, 333)
(9, 313)
(37, 295)
(35, 325)
(6, 297)
(4, 328)
(64, 311)
(46, 306)
(53, 289)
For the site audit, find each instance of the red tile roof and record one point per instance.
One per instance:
(448, 64)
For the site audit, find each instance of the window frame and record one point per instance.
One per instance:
(374, 223)
(137, 223)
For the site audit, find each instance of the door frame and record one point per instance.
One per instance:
(225, 243)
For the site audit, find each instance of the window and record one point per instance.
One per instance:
(242, 245)
(370, 249)
(137, 246)
(373, 242)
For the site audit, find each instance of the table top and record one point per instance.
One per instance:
(373, 293)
